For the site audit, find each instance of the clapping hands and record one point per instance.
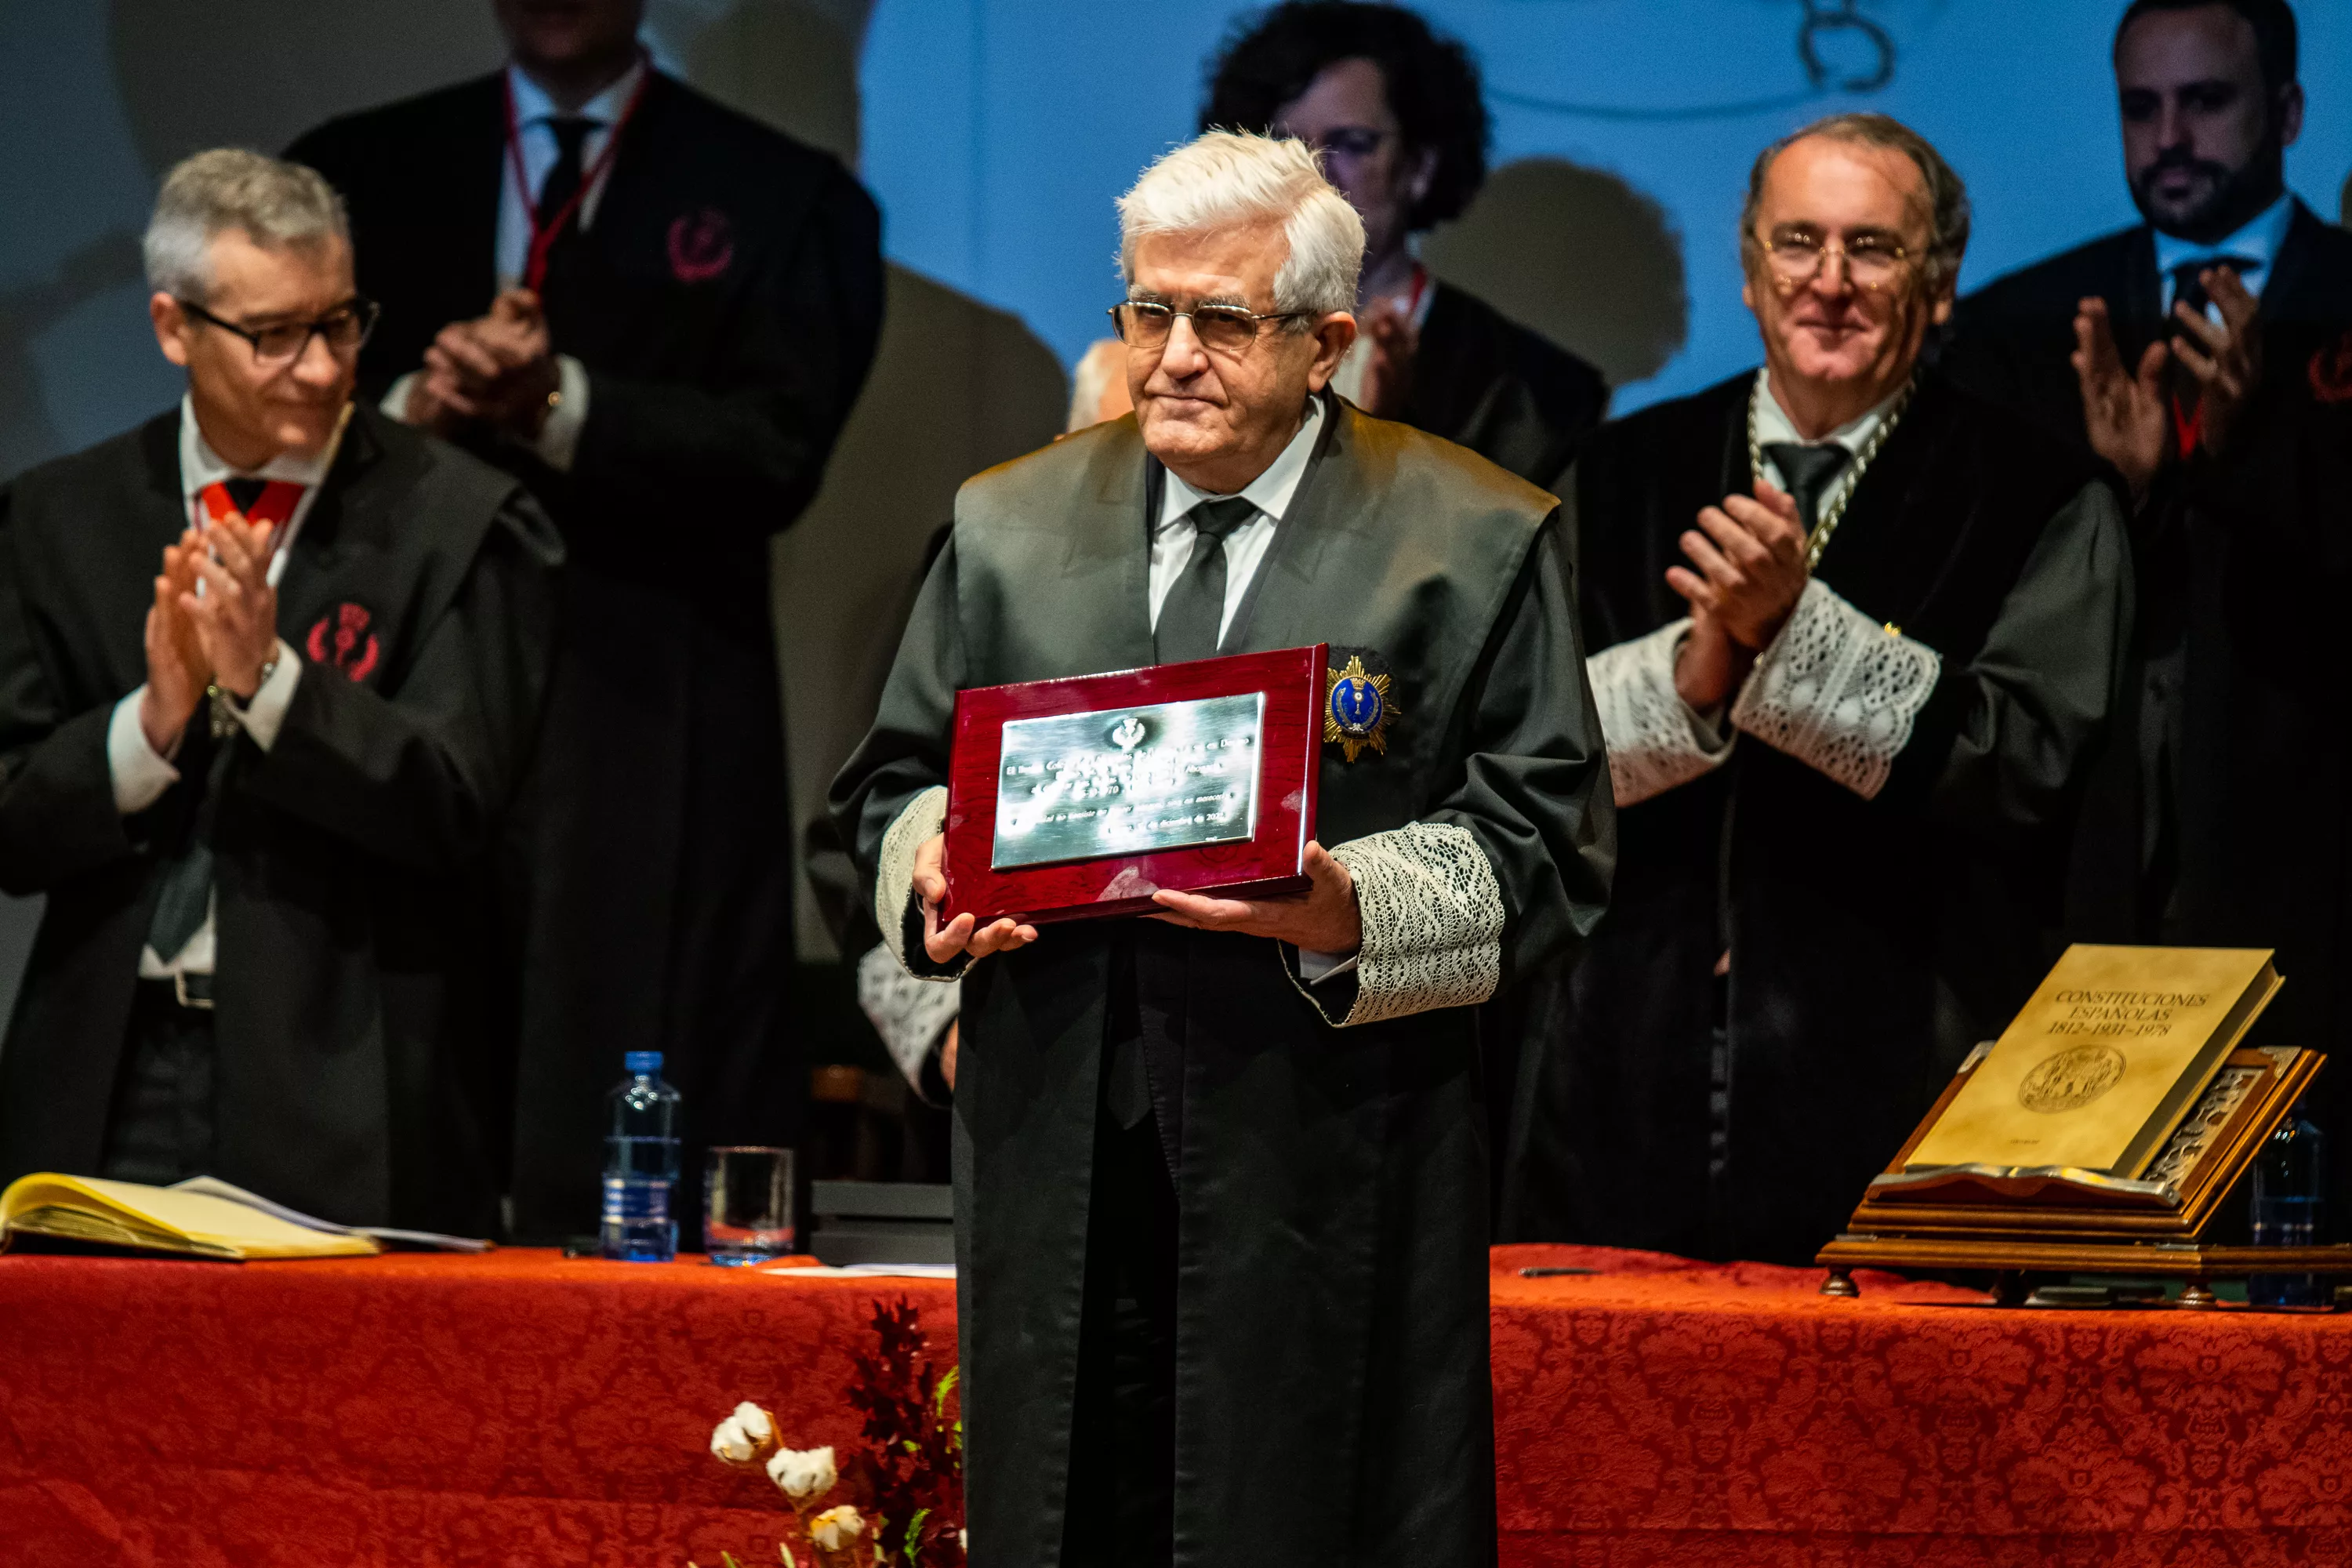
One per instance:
(213, 622)
(1749, 556)
(498, 370)
(2127, 413)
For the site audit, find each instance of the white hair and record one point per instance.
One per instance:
(276, 203)
(1222, 178)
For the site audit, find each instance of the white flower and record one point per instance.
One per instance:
(743, 1437)
(836, 1527)
(802, 1474)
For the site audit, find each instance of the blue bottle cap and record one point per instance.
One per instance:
(642, 1061)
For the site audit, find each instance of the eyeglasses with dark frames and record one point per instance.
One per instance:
(1223, 328)
(345, 330)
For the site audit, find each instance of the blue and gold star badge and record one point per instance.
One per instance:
(1357, 711)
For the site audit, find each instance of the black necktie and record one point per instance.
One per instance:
(1810, 471)
(2187, 289)
(562, 181)
(243, 493)
(1195, 610)
(184, 895)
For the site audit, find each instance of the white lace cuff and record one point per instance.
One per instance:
(894, 877)
(909, 1013)
(1838, 691)
(1433, 920)
(1654, 740)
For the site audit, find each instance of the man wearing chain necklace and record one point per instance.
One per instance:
(1858, 635)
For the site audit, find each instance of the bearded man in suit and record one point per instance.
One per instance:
(657, 313)
(2206, 355)
(1162, 1124)
(269, 666)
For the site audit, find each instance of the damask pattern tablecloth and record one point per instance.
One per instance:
(1671, 1412)
(519, 1408)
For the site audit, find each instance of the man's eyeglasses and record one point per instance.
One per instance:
(345, 328)
(1797, 255)
(1221, 329)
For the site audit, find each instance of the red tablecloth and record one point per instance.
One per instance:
(1671, 1413)
(519, 1409)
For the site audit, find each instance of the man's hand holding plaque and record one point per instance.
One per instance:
(963, 935)
(1324, 919)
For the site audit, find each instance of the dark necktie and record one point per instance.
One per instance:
(2188, 392)
(2187, 289)
(562, 181)
(1195, 610)
(183, 894)
(1812, 472)
(243, 494)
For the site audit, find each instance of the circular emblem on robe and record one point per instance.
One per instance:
(1357, 705)
(2071, 1080)
(2331, 372)
(1356, 708)
(342, 641)
(701, 246)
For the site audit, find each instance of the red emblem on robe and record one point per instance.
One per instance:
(342, 641)
(2331, 372)
(701, 246)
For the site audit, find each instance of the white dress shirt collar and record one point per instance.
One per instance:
(1773, 424)
(1271, 492)
(2258, 243)
(532, 106)
(201, 466)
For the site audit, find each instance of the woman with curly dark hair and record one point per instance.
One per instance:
(1395, 111)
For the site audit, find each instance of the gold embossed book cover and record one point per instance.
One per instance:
(2103, 1063)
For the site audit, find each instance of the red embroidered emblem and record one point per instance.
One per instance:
(341, 639)
(701, 246)
(2331, 372)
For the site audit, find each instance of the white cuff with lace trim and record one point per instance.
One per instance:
(1654, 740)
(1838, 691)
(893, 877)
(1433, 922)
(909, 1013)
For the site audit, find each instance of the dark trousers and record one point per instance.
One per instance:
(159, 1129)
(1122, 1493)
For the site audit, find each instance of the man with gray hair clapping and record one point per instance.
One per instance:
(1858, 636)
(268, 667)
(1221, 1172)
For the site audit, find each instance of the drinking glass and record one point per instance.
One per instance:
(746, 1212)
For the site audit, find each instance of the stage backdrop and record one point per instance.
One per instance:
(995, 133)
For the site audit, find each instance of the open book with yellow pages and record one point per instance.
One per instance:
(91, 1210)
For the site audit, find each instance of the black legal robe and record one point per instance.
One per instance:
(1871, 941)
(726, 302)
(1484, 382)
(1333, 1402)
(2217, 816)
(359, 1073)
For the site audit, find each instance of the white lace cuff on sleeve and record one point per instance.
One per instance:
(894, 877)
(1433, 920)
(1838, 691)
(1654, 740)
(909, 1014)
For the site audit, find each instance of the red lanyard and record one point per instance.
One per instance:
(542, 235)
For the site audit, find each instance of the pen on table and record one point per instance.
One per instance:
(1546, 1271)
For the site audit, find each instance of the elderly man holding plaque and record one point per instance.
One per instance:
(1220, 1170)
(1858, 635)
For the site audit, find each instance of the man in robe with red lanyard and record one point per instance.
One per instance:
(269, 667)
(1858, 636)
(657, 313)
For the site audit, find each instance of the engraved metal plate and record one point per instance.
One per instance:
(1128, 781)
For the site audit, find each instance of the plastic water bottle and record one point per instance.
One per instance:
(641, 1164)
(2290, 1210)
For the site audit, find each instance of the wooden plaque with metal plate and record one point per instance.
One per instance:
(1083, 797)
(2179, 1162)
